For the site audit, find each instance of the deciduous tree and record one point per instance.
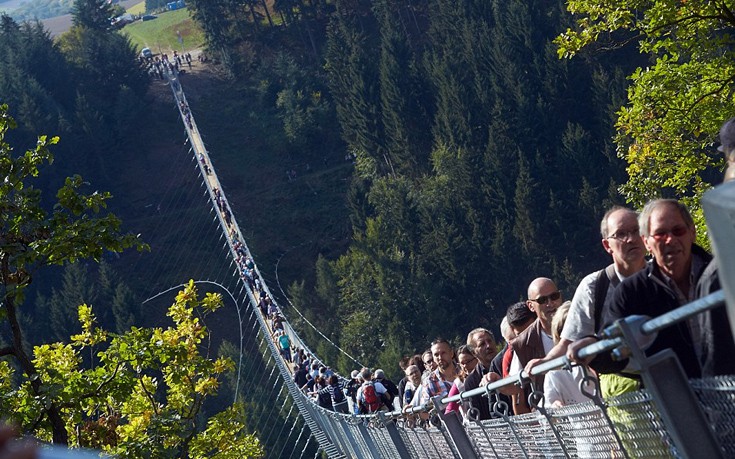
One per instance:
(675, 105)
(137, 394)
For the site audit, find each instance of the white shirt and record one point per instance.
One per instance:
(581, 318)
(563, 386)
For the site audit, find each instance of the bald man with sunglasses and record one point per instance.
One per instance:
(535, 341)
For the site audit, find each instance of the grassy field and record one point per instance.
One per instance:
(160, 34)
(138, 8)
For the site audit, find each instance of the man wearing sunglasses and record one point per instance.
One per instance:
(665, 284)
(622, 240)
(535, 341)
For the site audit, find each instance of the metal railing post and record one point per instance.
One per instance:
(664, 377)
(457, 434)
(395, 436)
(372, 449)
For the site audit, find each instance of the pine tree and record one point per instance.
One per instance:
(401, 110)
(351, 54)
(76, 289)
(92, 14)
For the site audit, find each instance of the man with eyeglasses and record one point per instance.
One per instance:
(622, 240)
(535, 341)
(665, 284)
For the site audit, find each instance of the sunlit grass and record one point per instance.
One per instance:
(138, 8)
(160, 34)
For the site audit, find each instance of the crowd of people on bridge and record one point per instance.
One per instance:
(157, 66)
(545, 327)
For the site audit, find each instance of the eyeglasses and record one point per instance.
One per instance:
(464, 364)
(545, 298)
(428, 362)
(677, 231)
(624, 235)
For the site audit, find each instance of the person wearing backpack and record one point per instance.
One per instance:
(622, 240)
(391, 389)
(369, 395)
(339, 401)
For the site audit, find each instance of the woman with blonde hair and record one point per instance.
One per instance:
(561, 387)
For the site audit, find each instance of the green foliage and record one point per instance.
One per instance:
(160, 34)
(677, 103)
(508, 184)
(92, 14)
(34, 77)
(300, 103)
(145, 392)
(87, 86)
(32, 238)
(153, 5)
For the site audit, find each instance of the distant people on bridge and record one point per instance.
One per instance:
(284, 343)
(391, 395)
(350, 389)
(371, 396)
(300, 376)
(277, 323)
(339, 399)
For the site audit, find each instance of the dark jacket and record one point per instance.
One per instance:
(472, 381)
(646, 293)
(718, 346)
(300, 377)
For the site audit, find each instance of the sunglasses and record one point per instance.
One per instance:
(678, 231)
(545, 298)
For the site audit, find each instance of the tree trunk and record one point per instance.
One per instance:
(58, 427)
(267, 13)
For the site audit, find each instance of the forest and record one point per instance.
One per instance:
(484, 153)
(482, 160)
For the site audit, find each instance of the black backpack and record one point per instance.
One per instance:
(606, 277)
(351, 389)
(337, 395)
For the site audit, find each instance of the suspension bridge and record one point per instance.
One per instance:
(672, 417)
